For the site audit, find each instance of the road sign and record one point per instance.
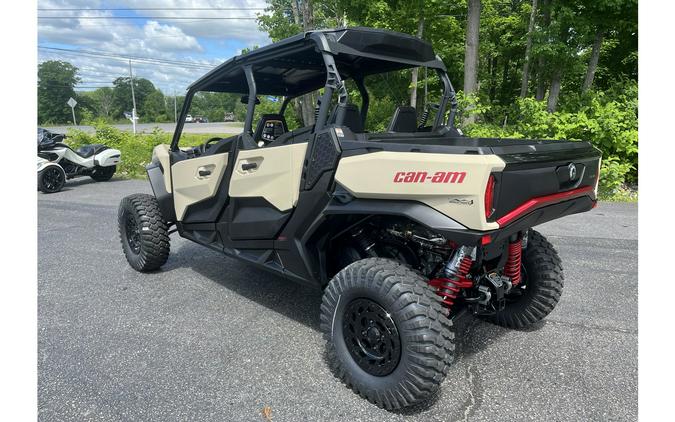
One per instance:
(72, 103)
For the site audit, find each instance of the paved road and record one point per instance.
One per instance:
(209, 338)
(214, 127)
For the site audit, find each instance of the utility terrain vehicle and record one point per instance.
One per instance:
(403, 229)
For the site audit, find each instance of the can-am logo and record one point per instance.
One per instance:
(423, 176)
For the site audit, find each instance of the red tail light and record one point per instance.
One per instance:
(489, 196)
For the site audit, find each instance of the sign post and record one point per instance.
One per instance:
(133, 98)
(72, 103)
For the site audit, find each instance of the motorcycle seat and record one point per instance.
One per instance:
(87, 151)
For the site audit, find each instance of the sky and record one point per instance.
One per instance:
(91, 35)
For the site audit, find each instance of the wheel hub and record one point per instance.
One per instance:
(133, 235)
(371, 337)
(52, 178)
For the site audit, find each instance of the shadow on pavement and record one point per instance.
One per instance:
(274, 292)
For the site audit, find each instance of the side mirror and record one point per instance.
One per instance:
(244, 100)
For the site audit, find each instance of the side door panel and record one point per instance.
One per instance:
(196, 179)
(270, 173)
(264, 188)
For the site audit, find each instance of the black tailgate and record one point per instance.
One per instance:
(540, 168)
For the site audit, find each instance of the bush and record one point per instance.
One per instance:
(606, 120)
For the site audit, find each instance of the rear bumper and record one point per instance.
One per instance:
(532, 213)
(544, 213)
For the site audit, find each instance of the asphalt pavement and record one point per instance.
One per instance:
(208, 338)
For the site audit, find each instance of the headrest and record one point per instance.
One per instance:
(351, 119)
(404, 120)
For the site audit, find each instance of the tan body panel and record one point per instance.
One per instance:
(189, 187)
(409, 175)
(276, 178)
(161, 154)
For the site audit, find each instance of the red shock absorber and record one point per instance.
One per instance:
(513, 263)
(455, 279)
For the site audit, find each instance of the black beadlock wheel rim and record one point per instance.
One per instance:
(371, 337)
(52, 179)
(133, 234)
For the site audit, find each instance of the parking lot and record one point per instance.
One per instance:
(210, 338)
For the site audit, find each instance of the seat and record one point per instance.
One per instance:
(270, 127)
(404, 120)
(352, 117)
(87, 151)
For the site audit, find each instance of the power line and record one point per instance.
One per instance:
(98, 25)
(146, 8)
(129, 57)
(151, 17)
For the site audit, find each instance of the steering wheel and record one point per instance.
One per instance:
(206, 145)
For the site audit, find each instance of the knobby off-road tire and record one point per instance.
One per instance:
(51, 179)
(103, 174)
(542, 286)
(403, 306)
(143, 232)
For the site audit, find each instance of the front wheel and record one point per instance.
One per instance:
(387, 337)
(51, 179)
(143, 232)
(539, 291)
(103, 174)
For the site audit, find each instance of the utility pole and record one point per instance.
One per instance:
(175, 107)
(133, 99)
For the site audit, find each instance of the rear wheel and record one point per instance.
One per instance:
(540, 289)
(103, 174)
(51, 179)
(143, 232)
(387, 336)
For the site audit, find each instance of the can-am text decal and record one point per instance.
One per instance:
(423, 177)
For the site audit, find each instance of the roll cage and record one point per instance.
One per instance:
(320, 59)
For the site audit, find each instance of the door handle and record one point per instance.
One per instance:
(204, 172)
(249, 166)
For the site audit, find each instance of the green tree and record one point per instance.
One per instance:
(56, 84)
(103, 101)
(122, 100)
(154, 107)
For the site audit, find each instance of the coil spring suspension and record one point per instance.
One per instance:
(364, 243)
(513, 263)
(456, 271)
(423, 120)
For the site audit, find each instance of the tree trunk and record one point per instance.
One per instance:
(471, 54)
(413, 90)
(554, 92)
(541, 80)
(294, 11)
(528, 47)
(593, 63)
(541, 65)
(471, 50)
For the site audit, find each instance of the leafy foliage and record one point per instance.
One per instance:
(56, 82)
(607, 120)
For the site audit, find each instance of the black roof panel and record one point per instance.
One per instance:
(294, 66)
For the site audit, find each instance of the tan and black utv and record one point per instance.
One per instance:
(403, 229)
